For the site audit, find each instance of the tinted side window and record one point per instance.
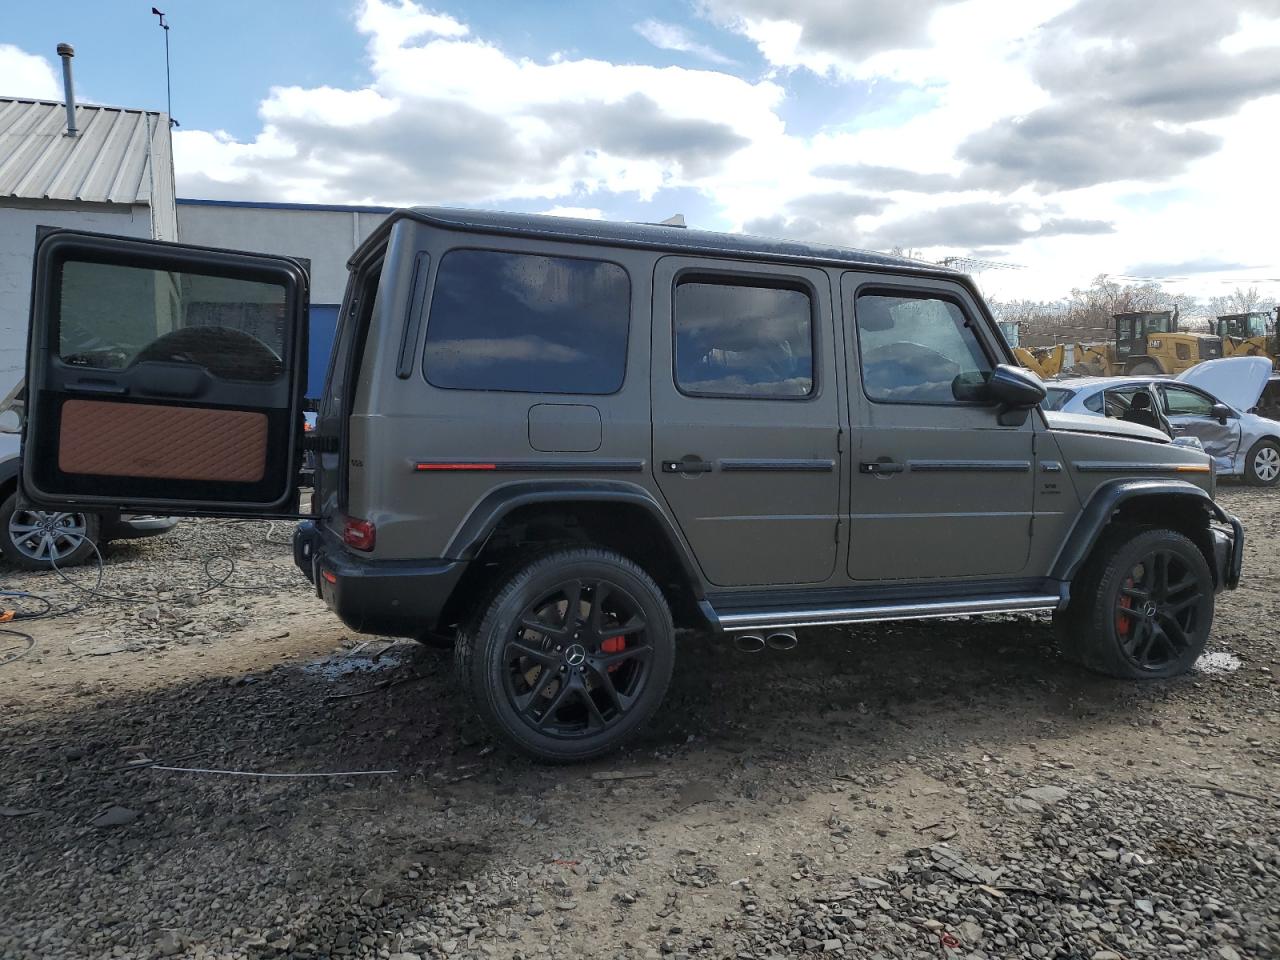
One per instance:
(111, 316)
(1186, 403)
(1094, 403)
(738, 339)
(1055, 399)
(520, 322)
(916, 349)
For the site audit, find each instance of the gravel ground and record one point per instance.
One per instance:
(941, 789)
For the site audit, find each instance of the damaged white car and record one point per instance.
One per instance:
(1213, 401)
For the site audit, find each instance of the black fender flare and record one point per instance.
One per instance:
(1104, 502)
(470, 537)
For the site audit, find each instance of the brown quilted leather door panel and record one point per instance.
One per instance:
(172, 443)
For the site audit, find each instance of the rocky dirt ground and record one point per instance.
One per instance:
(935, 790)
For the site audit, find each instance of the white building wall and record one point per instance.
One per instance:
(18, 222)
(327, 236)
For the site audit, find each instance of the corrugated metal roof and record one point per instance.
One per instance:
(109, 161)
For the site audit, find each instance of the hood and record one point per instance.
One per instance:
(1236, 381)
(1105, 426)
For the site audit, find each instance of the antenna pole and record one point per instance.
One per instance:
(168, 89)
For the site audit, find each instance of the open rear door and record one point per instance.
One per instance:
(164, 378)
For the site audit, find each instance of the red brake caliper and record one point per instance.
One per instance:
(1122, 620)
(613, 645)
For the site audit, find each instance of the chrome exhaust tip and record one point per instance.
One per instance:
(782, 640)
(748, 642)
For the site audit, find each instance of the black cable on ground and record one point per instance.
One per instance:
(96, 591)
(29, 643)
(18, 613)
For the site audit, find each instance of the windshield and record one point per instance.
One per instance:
(1055, 398)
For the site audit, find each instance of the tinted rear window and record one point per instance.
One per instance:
(111, 316)
(534, 324)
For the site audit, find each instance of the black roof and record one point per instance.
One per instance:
(663, 237)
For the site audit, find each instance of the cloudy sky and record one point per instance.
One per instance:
(1071, 137)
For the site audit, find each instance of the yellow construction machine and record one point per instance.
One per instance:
(1252, 334)
(1146, 342)
(1045, 362)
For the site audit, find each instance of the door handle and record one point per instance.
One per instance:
(688, 465)
(880, 467)
(97, 387)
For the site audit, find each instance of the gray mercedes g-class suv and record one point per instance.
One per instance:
(557, 441)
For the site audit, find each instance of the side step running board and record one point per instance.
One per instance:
(738, 621)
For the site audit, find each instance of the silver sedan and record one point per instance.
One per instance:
(1214, 402)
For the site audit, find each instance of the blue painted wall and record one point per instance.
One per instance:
(324, 321)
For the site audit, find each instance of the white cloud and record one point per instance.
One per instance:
(580, 213)
(27, 75)
(977, 133)
(451, 118)
(671, 36)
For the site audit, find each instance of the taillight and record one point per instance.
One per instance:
(358, 534)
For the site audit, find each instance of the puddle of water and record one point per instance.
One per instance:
(1218, 662)
(340, 665)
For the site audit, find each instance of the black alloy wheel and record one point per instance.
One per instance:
(1158, 610)
(577, 660)
(1142, 607)
(571, 656)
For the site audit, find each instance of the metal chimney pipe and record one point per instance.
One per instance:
(66, 52)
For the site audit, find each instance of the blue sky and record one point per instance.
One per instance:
(227, 55)
(1050, 134)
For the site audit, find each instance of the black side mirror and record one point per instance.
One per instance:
(1014, 387)
(1222, 413)
(1016, 391)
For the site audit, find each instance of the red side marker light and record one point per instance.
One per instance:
(329, 576)
(430, 467)
(358, 534)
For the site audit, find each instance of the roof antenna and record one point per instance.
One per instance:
(675, 220)
(168, 91)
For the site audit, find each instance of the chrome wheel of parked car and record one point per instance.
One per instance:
(1263, 467)
(571, 656)
(39, 539)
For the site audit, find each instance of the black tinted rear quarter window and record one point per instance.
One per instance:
(742, 339)
(528, 323)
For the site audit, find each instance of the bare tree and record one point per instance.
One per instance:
(1240, 301)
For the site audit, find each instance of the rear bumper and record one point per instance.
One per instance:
(390, 597)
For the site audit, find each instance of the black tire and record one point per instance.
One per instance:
(521, 680)
(1262, 463)
(1173, 609)
(1145, 368)
(72, 536)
